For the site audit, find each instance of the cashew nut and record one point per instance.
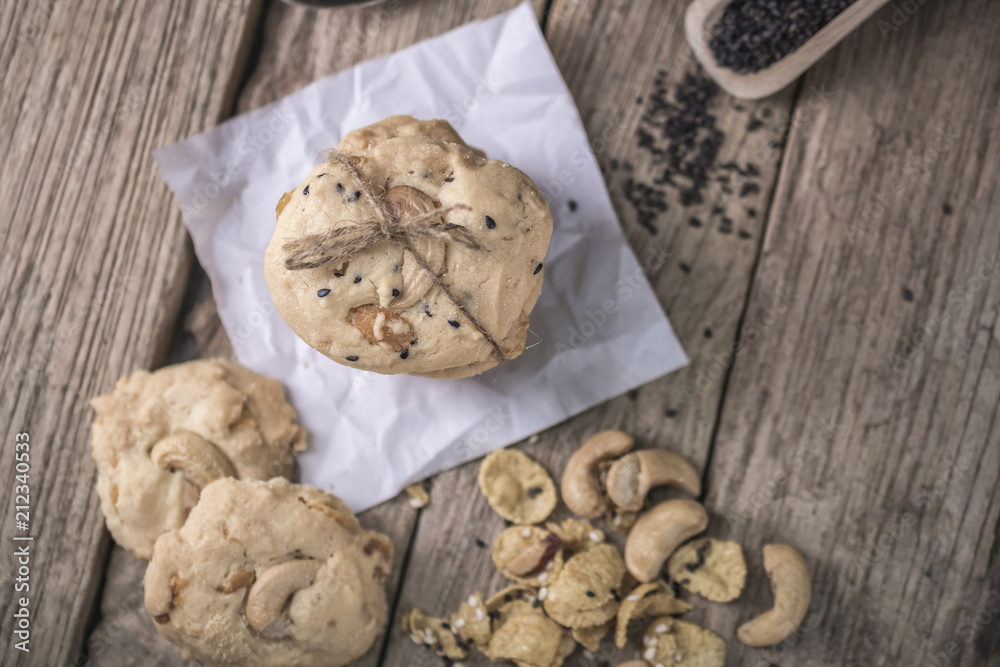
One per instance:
(271, 591)
(632, 476)
(658, 533)
(406, 201)
(792, 590)
(581, 486)
(201, 460)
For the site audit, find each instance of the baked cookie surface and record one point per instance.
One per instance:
(269, 573)
(160, 437)
(378, 309)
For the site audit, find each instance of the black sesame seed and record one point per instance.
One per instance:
(754, 125)
(395, 292)
(490, 222)
(323, 292)
(685, 268)
(907, 294)
(947, 209)
(591, 594)
(708, 333)
(572, 205)
(453, 323)
(427, 310)
(305, 190)
(694, 222)
(449, 179)
(353, 197)
(357, 279)
(322, 175)
(426, 174)
(537, 269)
(338, 275)
(728, 222)
(671, 413)
(353, 357)
(725, 230)
(534, 492)
(404, 354)
(749, 188)
(481, 544)
(340, 188)
(445, 625)
(535, 603)
(744, 234)
(752, 212)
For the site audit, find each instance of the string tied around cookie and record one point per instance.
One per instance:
(391, 221)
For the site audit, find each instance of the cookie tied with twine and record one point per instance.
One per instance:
(403, 215)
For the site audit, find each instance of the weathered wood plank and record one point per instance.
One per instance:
(863, 425)
(703, 284)
(298, 46)
(94, 257)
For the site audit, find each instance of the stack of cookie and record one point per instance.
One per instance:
(407, 251)
(246, 568)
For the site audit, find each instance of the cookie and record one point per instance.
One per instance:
(714, 569)
(455, 311)
(516, 487)
(269, 573)
(672, 643)
(160, 437)
(368, 137)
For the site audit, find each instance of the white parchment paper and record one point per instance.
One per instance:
(596, 332)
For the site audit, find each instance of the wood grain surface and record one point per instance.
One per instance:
(863, 426)
(840, 315)
(94, 258)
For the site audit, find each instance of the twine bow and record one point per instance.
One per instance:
(389, 223)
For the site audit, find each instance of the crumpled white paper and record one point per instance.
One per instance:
(596, 332)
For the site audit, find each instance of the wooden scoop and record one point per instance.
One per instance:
(702, 15)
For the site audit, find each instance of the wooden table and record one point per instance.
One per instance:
(845, 344)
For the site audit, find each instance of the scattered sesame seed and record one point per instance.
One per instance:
(305, 190)
(480, 614)
(353, 357)
(708, 333)
(572, 205)
(354, 196)
(340, 188)
(481, 544)
(526, 533)
(591, 594)
(534, 491)
(661, 628)
(947, 209)
(671, 413)
(323, 292)
(537, 269)
(542, 593)
(633, 597)
(650, 653)
(357, 279)
(543, 577)
(395, 292)
(453, 323)
(490, 222)
(459, 623)
(404, 354)
(473, 601)
(594, 536)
